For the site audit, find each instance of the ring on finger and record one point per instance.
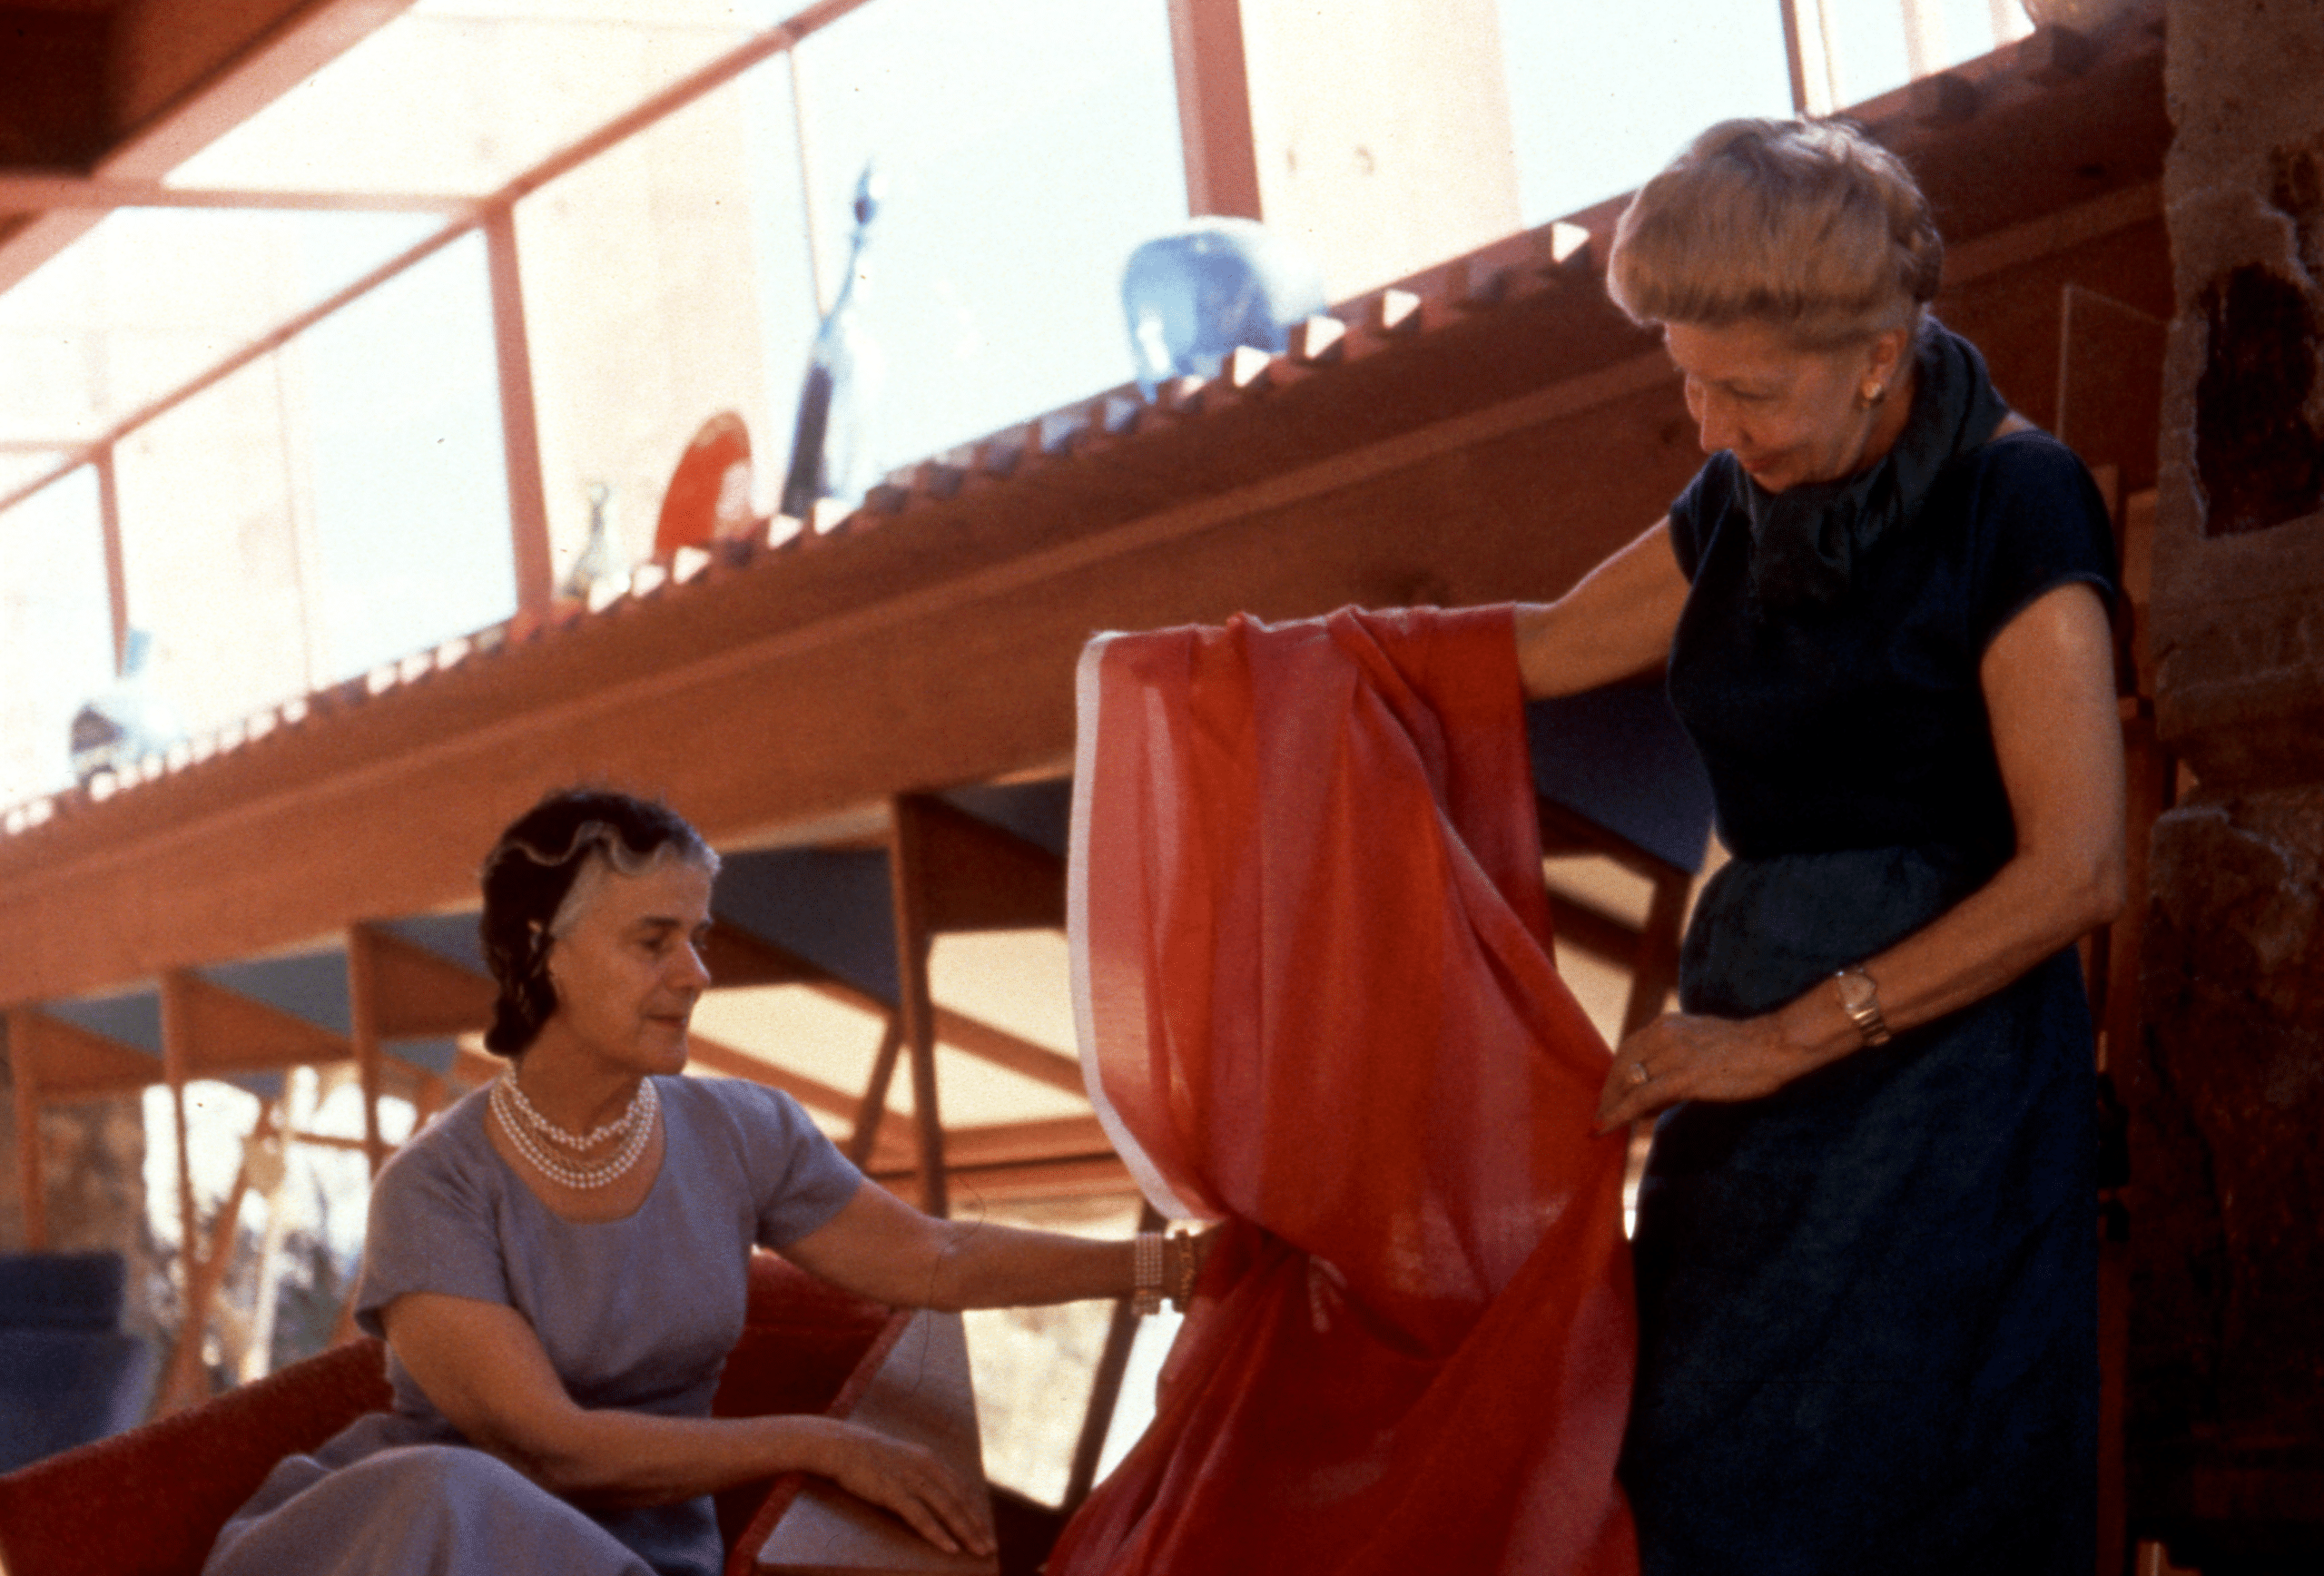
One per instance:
(1638, 1076)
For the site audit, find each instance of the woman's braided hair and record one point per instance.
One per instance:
(539, 876)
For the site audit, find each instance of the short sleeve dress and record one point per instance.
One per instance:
(636, 1314)
(1868, 1301)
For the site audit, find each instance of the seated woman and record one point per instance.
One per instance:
(559, 1264)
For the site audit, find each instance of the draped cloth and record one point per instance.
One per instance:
(1313, 974)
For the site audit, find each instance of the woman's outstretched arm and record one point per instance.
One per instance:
(1615, 624)
(881, 1247)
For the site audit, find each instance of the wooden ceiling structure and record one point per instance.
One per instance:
(1483, 431)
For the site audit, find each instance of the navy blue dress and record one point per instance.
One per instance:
(1868, 1301)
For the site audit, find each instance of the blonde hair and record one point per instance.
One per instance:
(1808, 226)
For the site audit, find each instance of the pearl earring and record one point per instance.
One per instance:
(1873, 392)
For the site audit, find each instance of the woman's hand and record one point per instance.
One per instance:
(907, 1480)
(1686, 1057)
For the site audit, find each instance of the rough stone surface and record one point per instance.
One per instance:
(94, 1155)
(2228, 1157)
(2225, 1086)
(2239, 560)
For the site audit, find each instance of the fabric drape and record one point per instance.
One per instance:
(1316, 1000)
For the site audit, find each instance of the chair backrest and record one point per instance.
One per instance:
(803, 1342)
(149, 1502)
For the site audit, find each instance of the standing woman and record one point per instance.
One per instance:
(559, 1263)
(1865, 1247)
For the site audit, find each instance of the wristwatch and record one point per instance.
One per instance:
(1860, 999)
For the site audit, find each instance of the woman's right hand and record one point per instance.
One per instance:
(907, 1480)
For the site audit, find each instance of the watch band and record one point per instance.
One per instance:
(1859, 998)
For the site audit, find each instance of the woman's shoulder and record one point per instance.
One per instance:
(452, 1150)
(735, 1107)
(2026, 457)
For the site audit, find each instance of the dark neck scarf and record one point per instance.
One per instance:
(1806, 540)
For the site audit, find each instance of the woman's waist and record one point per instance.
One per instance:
(1768, 926)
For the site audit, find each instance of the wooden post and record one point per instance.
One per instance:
(868, 1116)
(1105, 1387)
(177, 1062)
(907, 878)
(32, 1172)
(363, 1034)
(1654, 969)
(1215, 108)
(181, 1376)
(116, 573)
(520, 421)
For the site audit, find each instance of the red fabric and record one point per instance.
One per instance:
(1313, 967)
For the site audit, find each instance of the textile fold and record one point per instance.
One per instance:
(1316, 1000)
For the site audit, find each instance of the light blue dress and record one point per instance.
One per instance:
(637, 1314)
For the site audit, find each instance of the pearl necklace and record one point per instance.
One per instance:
(640, 1102)
(518, 1119)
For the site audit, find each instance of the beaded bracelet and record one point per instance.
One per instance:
(1146, 1273)
(1160, 1264)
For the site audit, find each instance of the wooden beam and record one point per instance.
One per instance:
(363, 1035)
(997, 1046)
(813, 1093)
(1215, 108)
(981, 877)
(873, 1109)
(520, 438)
(1017, 1143)
(1591, 930)
(1083, 1177)
(419, 995)
(736, 957)
(177, 1039)
(224, 1032)
(179, 74)
(66, 1061)
(116, 571)
(24, 194)
(204, 1273)
(915, 1012)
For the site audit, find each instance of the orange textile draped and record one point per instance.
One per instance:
(1313, 974)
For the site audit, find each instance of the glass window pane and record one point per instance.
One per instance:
(1605, 95)
(56, 631)
(463, 95)
(1027, 148)
(215, 556)
(400, 408)
(1876, 45)
(662, 280)
(150, 299)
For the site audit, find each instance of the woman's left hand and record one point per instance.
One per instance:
(1679, 1056)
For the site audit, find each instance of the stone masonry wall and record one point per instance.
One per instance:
(2226, 1092)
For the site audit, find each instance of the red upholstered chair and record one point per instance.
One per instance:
(149, 1502)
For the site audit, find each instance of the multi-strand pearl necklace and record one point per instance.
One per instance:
(528, 1128)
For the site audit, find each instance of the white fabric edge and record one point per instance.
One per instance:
(1142, 1169)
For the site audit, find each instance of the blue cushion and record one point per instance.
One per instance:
(62, 1291)
(60, 1388)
